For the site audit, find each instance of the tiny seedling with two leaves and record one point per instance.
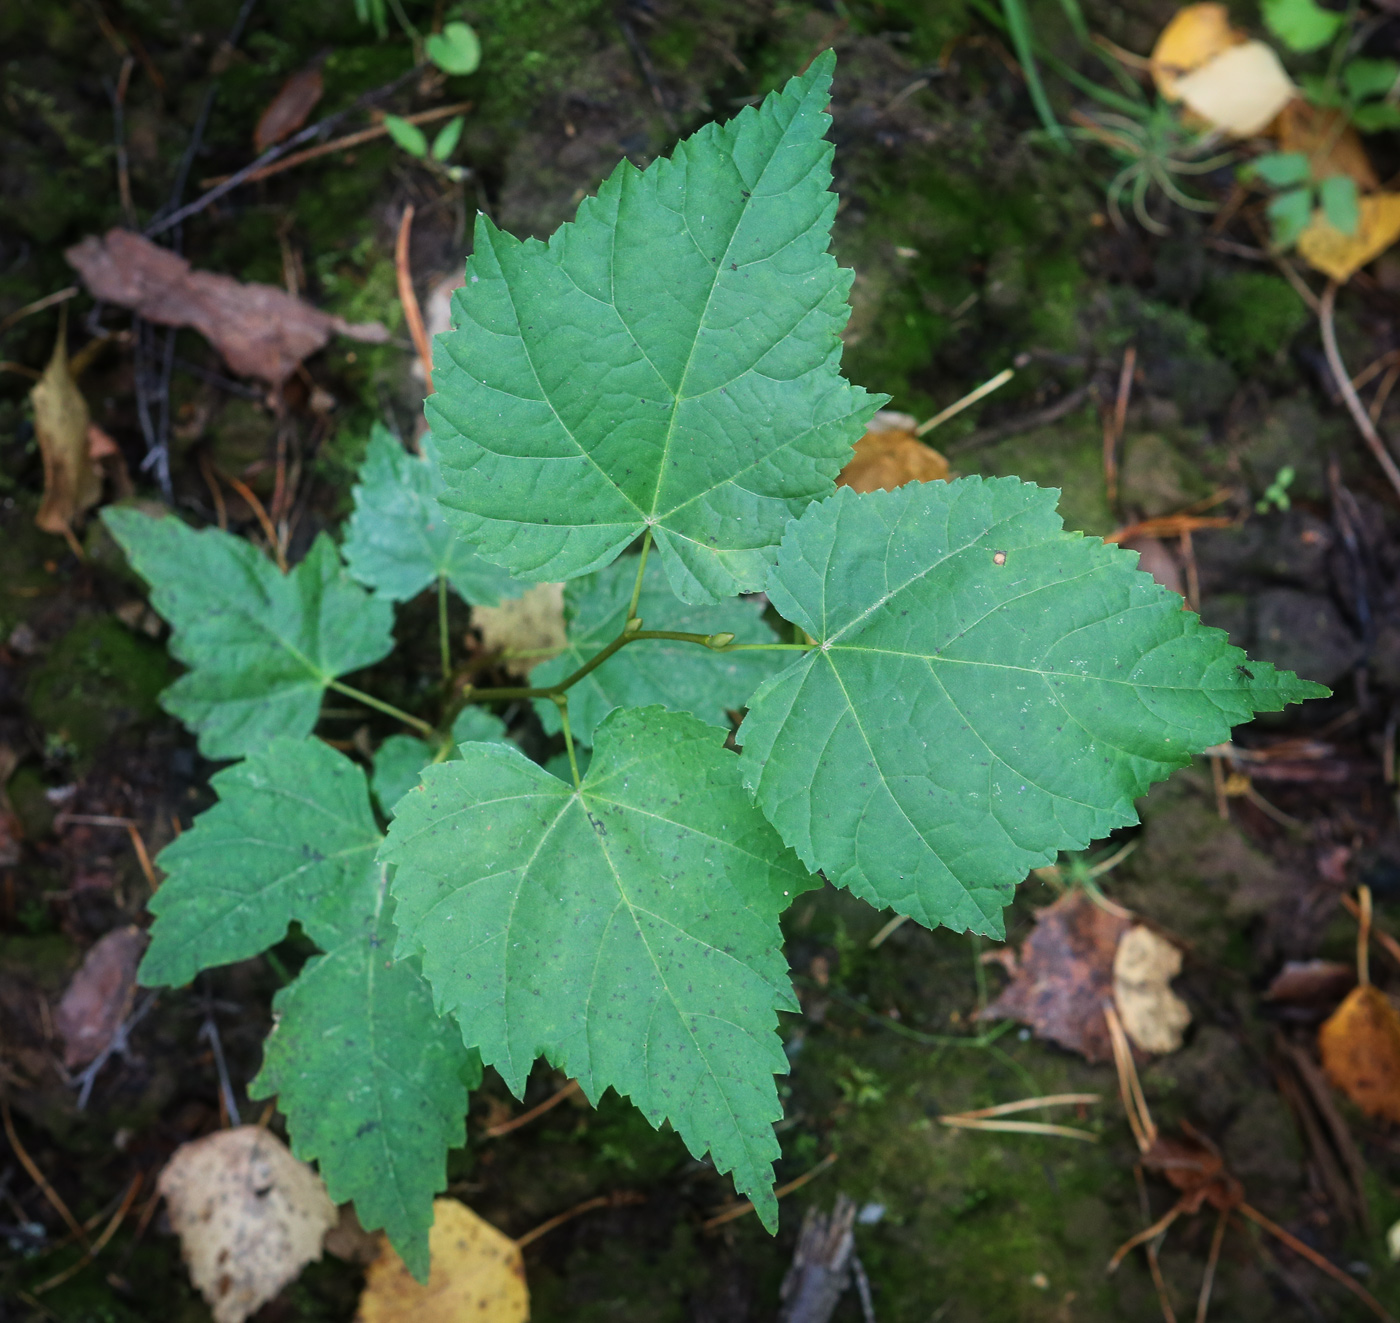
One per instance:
(650, 408)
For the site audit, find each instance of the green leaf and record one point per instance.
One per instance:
(1280, 169)
(988, 690)
(1322, 91)
(1364, 78)
(1376, 117)
(455, 50)
(400, 759)
(671, 359)
(408, 136)
(446, 142)
(373, 1084)
(1289, 214)
(681, 676)
(399, 541)
(1340, 204)
(628, 931)
(291, 838)
(261, 646)
(1302, 25)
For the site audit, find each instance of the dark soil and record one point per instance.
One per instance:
(974, 246)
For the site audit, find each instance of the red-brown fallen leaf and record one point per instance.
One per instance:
(99, 995)
(260, 330)
(289, 109)
(889, 455)
(1360, 1048)
(1308, 982)
(1064, 976)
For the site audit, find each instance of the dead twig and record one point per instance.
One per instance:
(138, 843)
(97, 1245)
(37, 1176)
(48, 301)
(1340, 376)
(743, 1209)
(269, 531)
(553, 1101)
(971, 398)
(1115, 423)
(618, 1199)
(408, 297)
(1052, 413)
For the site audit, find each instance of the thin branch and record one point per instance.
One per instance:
(1348, 392)
(412, 314)
(369, 700)
(967, 401)
(553, 1101)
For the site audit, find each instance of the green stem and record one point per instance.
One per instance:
(561, 701)
(369, 700)
(444, 647)
(641, 569)
(621, 641)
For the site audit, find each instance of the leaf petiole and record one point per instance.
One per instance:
(561, 701)
(641, 570)
(369, 700)
(444, 647)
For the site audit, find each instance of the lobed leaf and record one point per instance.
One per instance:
(372, 1082)
(675, 675)
(628, 931)
(261, 645)
(290, 838)
(399, 541)
(670, 359)
(987, 690)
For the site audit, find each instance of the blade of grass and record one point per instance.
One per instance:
(1018, 24)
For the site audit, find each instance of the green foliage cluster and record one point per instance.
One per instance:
(650, 407)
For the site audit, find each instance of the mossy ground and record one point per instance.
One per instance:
(974, 248)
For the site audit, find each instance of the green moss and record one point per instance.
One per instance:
(98, 680)
(1252, 315)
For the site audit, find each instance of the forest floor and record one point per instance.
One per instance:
(976, 247)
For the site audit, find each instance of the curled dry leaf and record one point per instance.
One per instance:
(532, 623)
(72, 483)
(1240, 91)
(1194, 37)
(1340, 255)
(1360, 1046)
(477, 1276)
(289, 109)
(1064, 976)
(249, 1216)
(1309, 982)
(1143, 968)
(1331, 144)
(99, 996)
(1155, 559)
(260, 330)
(889, 455)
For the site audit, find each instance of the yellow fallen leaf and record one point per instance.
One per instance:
(1339, 255)
(1143, 968)
(1331, 144)
(1194, 37)
(1360, 1046)
(531, 623)
(249, 1216)
(889, 455)
(1240, 91)
(72, 483)
(477, 1276)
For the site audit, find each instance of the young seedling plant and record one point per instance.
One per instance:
(650, 408)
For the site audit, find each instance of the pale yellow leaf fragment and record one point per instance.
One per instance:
(72, 484)
(477, 1276)
(249, 1216)
(1194, 37)
(1240, 91)
(1339, 255)
(532, 624)
(1143, 968)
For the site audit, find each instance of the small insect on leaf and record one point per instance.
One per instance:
(455, 50)
(408, 136)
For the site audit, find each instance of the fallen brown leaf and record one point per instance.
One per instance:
(99, 996)
(72, 484)
(532, 623)
(289, 109)
(1360, 1046)
(477, 1276)
(1341, 255)
(249, 1216)
(889, 455)
(1143, 968)
(260, 330)
(1156, 560)
(1308, 982)
(1064, 976)
(1195, 35)
(1329, 142)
